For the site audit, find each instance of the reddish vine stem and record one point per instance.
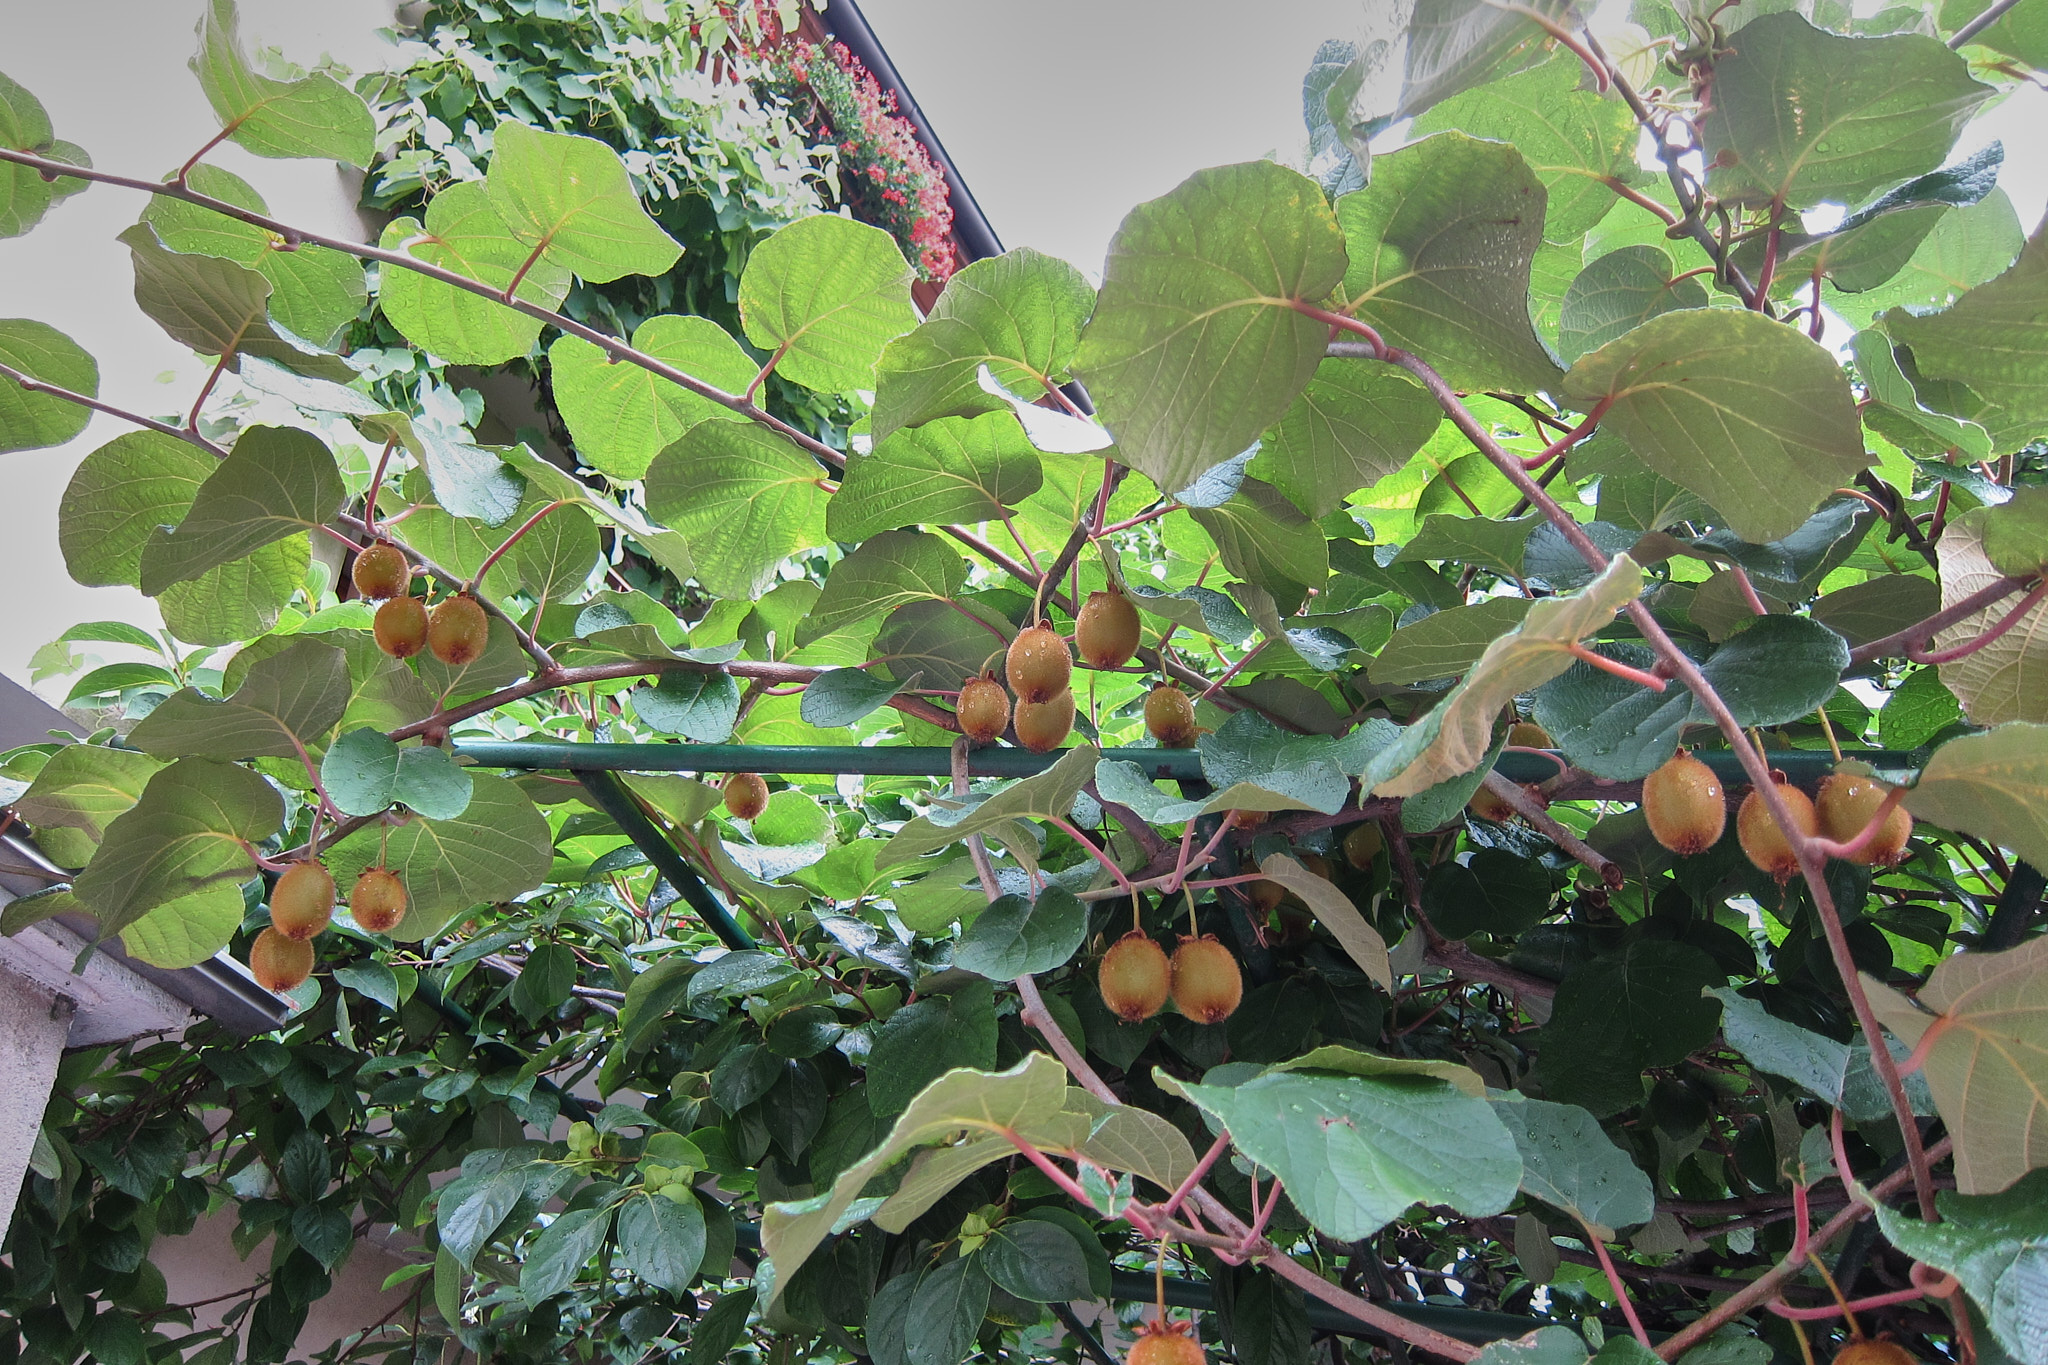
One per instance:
(30, 384)
(1969, 647)
(376, 482)
(1752, 760)
(476, 584)
(1641, 677)
(1900, 643)
(1570, 438)
(1530, 809)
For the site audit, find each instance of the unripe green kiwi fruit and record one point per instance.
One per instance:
(458, 630)
(1846, 804)
(1038, 664)
(378, 901)
(1490, 805)
(1761, 838)
(1527, 734)
(1106, 631)
(278, 963)
(1134, 978)
(1264, 895)
(302, 902)
(984, 708)
(1206, 982)
(1363, 844)
(1684, 805)
(746, 795)
(381, 572)
(400, 626)
(1170, 716)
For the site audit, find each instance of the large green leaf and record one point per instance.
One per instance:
(1017, 936)
(240, 599)
(2008, 678)
(1617, 293)
(621, 415)
(1803, 117)
(662, 1240)
(464, 233)
(365, 773)
(314, 291)
(1967, 246)
(1202, 283)
(1445, 643)
(826, 294)
(24, 195)
(1895, 411)
(1994, 785)
(744, 499)
(1267, 540)
(1046, 796)
(952, 469)
(892, 570)
(1994, 1244)
(1746, 412)
(663, 546)
(1838, 1072)
(568, 198)
(1990, 338)
(1775, 670)
(1351, 427)
(79, 792)
(1982, 1027)
(1570, 1163)
(498, 848)
(1356, 1152)
(1576, 141)
(191, 829)
(1412, 56)
(312, 116)
(286, 704)
(1877, 241)
(1019, 313)
(1620, 1014)
(29, 421)
(1440, 245)
(213, 305)
(1007, 1101)
(276, 482)
(1456, 734)
(187, 931)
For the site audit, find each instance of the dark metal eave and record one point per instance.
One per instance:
(842, 20)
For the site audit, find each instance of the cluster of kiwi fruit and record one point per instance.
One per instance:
(302, 906)
(456, 630)
(1137, 978)
(1040, 670)
(1687, 812)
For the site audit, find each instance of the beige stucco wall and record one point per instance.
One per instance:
(112, 74)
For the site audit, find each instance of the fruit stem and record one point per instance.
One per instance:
(1855, 1328)
(1078, 837)
(1209, 1158)
(1828, 848)
(1620, 670)
(370, 493)
(1784, 1310)
(1570, 438)
(476, 583)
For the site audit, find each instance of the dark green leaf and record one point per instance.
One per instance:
(1351, 427)
(662, 1240)
(893, 569)
(841, 696)
(1617, 293)
(945, 1313)
(1621, 1014)
(1037, 1261)
(1571, 1164)
(29, 421)
(561, 1251)
(1994, 1244)
(924, 1040)
(697, 706)
(191, 829)
(286, 704)
(276, 482)
(1019, 937)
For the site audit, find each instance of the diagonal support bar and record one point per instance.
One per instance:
(618, 803)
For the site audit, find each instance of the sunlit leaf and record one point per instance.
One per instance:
(276, 482)
(2008, 678)
(826, 294)
(312, 116)
(286, 704)
(568, 198)
(191, 829)
(29, 421)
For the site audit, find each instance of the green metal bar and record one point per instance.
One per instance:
(1801, 765)
(618, 803)
(1474, 1325)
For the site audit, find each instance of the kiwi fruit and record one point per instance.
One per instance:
(1684, 805)
(984, 708)
(378, 901)
(1206, 984)
(381, 572)
(1044, 726)
(1846, 803)
(1135, 978)
(278, 963)
(1362, 844)
(1106, 631)
(458, 630)
(1761, 838)
(1170, 716)
(1169, 1344)
(746, 795)
(400, 626)
(302, 901)
(1038, 665)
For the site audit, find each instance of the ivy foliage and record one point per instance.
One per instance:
(1458, 486)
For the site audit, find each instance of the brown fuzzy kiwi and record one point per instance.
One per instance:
(1038, 664)
(1106, 631)
(1134, 978)
(1846, 804)
(278, 963)
(381, 572)
(1866, 1351)
(400, 626)
(458, 630)
(1684, 805)
(1363, 844)
(1206, 982)
(302, 902)
(1170, 716)
(378, 901)
(746, 795)
(1043, 726)
(1169, 1344)
(1488, 805)
(984, 708)
(1761, 838)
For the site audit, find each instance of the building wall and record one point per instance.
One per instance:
(113, 75)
